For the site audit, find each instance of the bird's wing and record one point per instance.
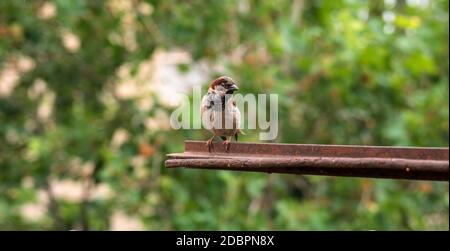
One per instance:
(236, 120)
(236, 116)
(207, 114)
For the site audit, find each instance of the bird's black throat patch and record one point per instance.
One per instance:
(223, 102)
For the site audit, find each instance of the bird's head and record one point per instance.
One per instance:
(224, 84)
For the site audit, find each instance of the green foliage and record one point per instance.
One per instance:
(75, 153)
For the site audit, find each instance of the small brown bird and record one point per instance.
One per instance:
(219, 112)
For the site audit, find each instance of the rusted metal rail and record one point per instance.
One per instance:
(414, 163)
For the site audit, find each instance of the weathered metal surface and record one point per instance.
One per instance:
(334, 160)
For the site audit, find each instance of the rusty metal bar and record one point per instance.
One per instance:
(414, 163)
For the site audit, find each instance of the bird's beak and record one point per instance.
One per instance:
(234, 87)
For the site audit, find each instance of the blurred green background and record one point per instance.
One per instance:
(87, 87)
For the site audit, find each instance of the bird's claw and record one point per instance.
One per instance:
(209, 145)
(227, 145)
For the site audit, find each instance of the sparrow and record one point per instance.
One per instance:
(219, 112)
